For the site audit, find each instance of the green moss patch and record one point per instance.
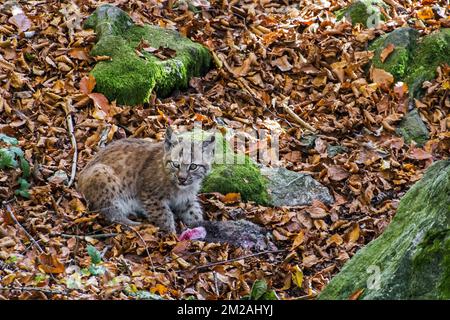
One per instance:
(411, 259)
(130, 78)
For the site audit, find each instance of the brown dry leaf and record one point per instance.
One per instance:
(231, 198)
(50, 264)
(100, 101)
(87, 84)
(298, 240)
(21, 21)
(336, 239)
(353, 235)
(80, 54)
(282, 63)
(380, 76)
(337, 173)
(386, 52)
(355, 295)
(425, 13)
(419, 154)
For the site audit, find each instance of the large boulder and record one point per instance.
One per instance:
(411, 259)
(143, 58)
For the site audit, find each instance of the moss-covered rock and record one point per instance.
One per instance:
(414, 59)
(130, 78)
(237, 173)
(412, 128)
(404, 41)
(365, 12)
(411, 259)
(431, 51)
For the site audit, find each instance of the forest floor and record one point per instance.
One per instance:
(272, 54)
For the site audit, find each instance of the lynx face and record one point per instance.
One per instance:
(187, 161)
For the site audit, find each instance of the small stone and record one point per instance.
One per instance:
(289, 188)
(59, 177)
(412, 128)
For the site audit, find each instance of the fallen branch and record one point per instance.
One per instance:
(33, 289)
(237, 259)
(83, 237)
(294, 116)
(8, 208)
(75, 148)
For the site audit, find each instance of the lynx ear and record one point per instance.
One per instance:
(170, 139)
(208, 144)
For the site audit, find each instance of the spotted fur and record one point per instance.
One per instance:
(155, 180)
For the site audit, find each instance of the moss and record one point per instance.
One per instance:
(432, 51)
(365, 12)
(433, 258)
(412, 254)
(242, 176)
(129, 78)
(404, 41)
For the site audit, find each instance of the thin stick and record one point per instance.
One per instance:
(237, 259)
(294, 116)
(33, 289)
(75, 149)
(145, 244)
(83, 237)
(8, 208)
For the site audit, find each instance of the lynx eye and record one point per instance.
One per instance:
(175, 164)
(193, 167)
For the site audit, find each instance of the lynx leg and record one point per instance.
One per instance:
(191, 213)
(160, 214)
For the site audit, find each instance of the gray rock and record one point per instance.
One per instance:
(412, 128)
(411, 259)
(289, 188)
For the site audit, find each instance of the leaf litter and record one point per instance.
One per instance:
(272, 59)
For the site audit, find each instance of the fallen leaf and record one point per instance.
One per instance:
(425, 13)
(282, 63)
(380, 76)
(87, 84)
(297, 276)
(355, 295)
(337, 173)
(386, 52)
(50, 264)
(231, 198)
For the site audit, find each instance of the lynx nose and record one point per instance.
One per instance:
(182, 180)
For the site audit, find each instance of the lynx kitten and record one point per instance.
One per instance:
(155, 181)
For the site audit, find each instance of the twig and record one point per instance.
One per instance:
(294, 116)
(75, 148)
(143, 241)
(33, 289)
(8, 208)
(83, 237)
(237, 259)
